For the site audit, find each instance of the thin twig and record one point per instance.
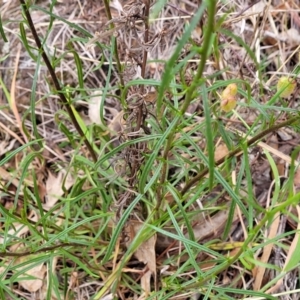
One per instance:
(237, 150)
(55, 80)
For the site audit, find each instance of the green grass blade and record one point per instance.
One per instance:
(168, 74)
(2, 31)
(209, 136)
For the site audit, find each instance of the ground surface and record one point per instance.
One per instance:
(72, 228)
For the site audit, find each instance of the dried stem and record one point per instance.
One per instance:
(145, 56)
(55, 80)
(146, 37)
(248, 143)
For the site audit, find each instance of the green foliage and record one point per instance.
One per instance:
(160, 168)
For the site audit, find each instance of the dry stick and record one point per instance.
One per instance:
(146, 37)
(245, 9)
(140, 120)
(52, 248)
(55, 80)
(248, 143)
(30, 252)
(145, 56)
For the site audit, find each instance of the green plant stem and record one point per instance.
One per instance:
(116, 54)
(211, 8)
(55, 81)
(204, 53)
(248, 143)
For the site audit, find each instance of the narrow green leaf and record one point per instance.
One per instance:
(209, 136)
(25, 42)
(2, 31)
(15, 152)
(153, 156)
(79, 73)
(167, 76)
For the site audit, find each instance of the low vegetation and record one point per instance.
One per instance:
(149, 149)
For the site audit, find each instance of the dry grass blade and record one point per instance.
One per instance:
(259, 271)
(291, 252)
(99, 36)
(13, 94)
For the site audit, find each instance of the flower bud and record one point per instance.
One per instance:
(286, 85)
(228, 97)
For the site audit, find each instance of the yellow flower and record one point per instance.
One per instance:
(228, 97)
(286, 85)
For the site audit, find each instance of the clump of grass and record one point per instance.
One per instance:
(156, 197)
